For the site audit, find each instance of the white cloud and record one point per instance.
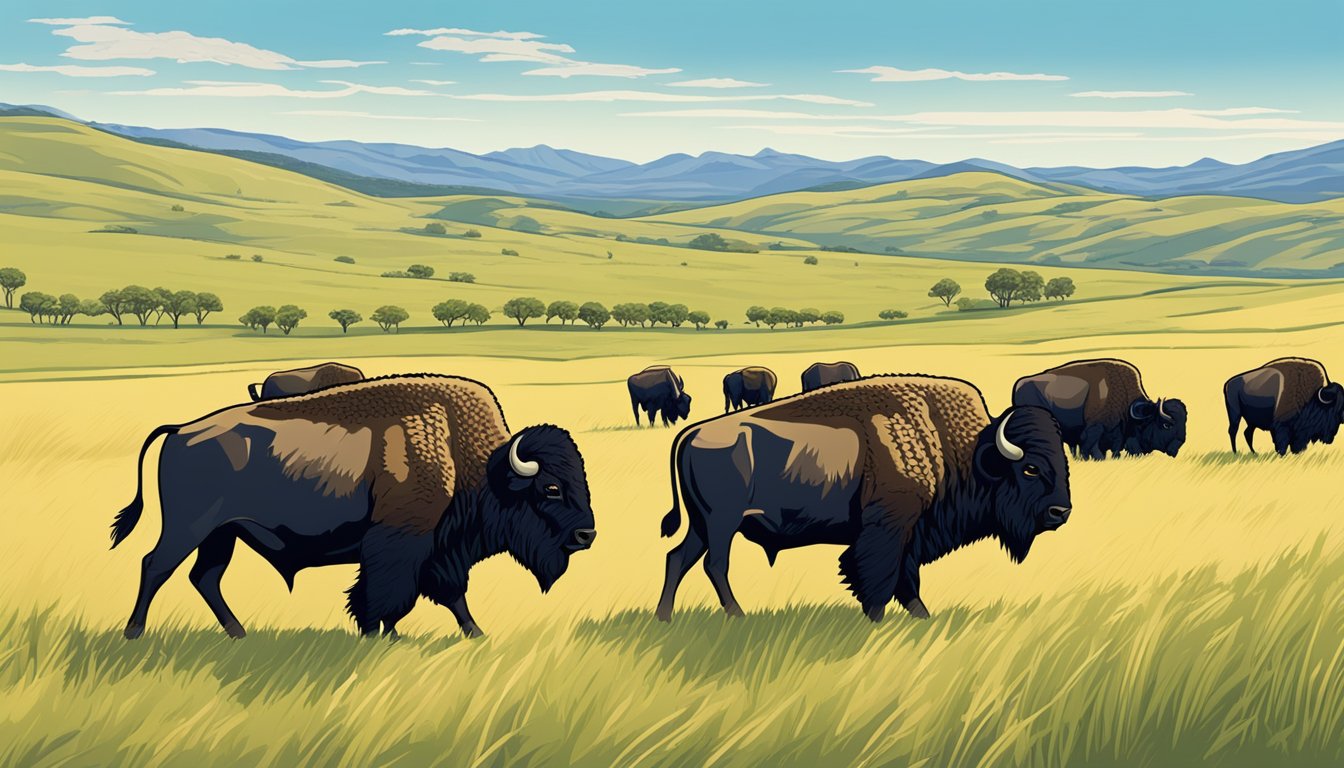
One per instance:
(492, 49)
(895, 75)
(100, 40)
(495, 47)
(464, 33)
(599, 70)
(1129, 94)
(717, 82)
(84, 20)
(376, 116)
(77, 70)
(657, 96)
(435, 82)
(236, 90)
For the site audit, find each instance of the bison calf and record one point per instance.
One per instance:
(1292, 398)
(899, 469)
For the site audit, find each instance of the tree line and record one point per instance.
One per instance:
(1005, 286)
(124, 305)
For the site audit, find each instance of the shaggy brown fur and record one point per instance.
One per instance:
(1302, 379)
(1113, 385)
(303, 380)
(417, 439)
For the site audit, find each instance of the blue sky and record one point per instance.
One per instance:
(1029, 83)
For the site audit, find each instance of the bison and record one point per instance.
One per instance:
(659, 390)
(820, 375)
(749, 386)
(1101, 407)
(899, 469)
(1291, 398)
(416, 478)
(301, 381)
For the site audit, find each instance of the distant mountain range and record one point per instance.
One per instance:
(1298, 176)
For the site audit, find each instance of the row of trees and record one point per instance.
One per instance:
(133, 301)
(1007, 285)
(792, 318)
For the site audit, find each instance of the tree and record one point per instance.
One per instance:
(163, 297)
(658, 312)
(478, 314)
(757, 315)
(12, 279)
(892, 314)
(594, 314)
(461, 277)
(67, 306)
(699, 318)
(345, 259)
(258, 317)
(721, 324)
(205, 304)
(175, 304)
(257, 257)
(710, 241)
(1032, 286)
(673, 314)
(565, 310)
(631, 314)
(832, 317)
(91, 308)
(811, 260)
(139, 301)
(390, 316)
(38, 305)
(524, 308)
(471, 233)
(436, 228)
(450, 311)
(946, 290)
(346, 317)
(114, 303)
(1059, 288)
(808, 315)
(420, 271)
(507, 252)
(780, 316)
(1003, 285)
(288, 316)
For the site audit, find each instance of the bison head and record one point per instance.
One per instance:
(539, 480)
(1158, 426)
(1321, 417)
(1020, 463)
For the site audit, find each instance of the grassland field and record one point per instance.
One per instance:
(1191, 611)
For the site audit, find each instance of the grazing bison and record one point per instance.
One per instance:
(1101, 406)
(900, 469)
(746, 387)
(658, 390)
(1291, 398)
(823, 374)
(301, 381)
(415, 478)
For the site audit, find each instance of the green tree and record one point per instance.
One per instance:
(780, 316)
(721, 324)
(1032, 286)
(38, 305)
(565, 310)
(288, 316)
(640, 313)
(658, 312)
(478, 314)
(390, 316)
(67, 306)
(471, 233)
(808, 315)
(892, 314)
(175, 304)
(91, 308)
(461, 277)
(832, 317)
(699, 318)
(139, 301)
(594, 314)
(205, 304)
(710, 241)
(258, 317)
(1059, 288)
(507, 252)
(257, 257)
(524, 308)
(436, 228)
(346, 317)
(114, 303)
(1003, 285)
(163, 297)
(946, 290)
(345, 259)
(675, 314)
(450, 311)
(12, 279)
(420, 271)
(811, 260)
(757, 315)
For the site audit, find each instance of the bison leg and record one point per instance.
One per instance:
(463, 616)
(388, 585)
(1089, 444)
(871, 565)
(907, 587)
(719, 546)
(172, 548)
(680, 560)
(1280, 436)
(1249, 434)
(212, 558)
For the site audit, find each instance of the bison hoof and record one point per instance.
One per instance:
(472, 632)
(917, 609)
(734, 611)
(875, 613)
(133, 631)
(235, 630)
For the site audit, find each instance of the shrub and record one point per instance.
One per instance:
(832, 317)
(720, 324)
(699, 319)
(420, 271)
(120, 229)
(710, 241)
(394, 273)
(1059, 288)
(892, 314)
(345, 259)
(436, 228)
(811, 260)
(234, 257)
(471, 233)
(685, 264)
(177, 208)
(258, 257)
(508, 252)
(461, 277)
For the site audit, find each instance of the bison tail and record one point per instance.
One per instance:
(130, 514)
(672, 520)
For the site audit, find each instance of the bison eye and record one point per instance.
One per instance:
(552, 491)
(1166, 425)
(1031, 470)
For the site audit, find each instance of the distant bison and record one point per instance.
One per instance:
(1101, 407)
(899, 469)
(749, 386)
(658, 390)
(823, 374)
(1291, 398)
(415, 478)
(301, 381)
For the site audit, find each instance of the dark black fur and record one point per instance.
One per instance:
(667, 398)
(1316, 422)
(1141, 430)
(737, 395)
(815, 377)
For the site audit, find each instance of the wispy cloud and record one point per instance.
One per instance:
(717, 82)
(378, 116)
(527, 47)
(77, 70)
(1129, 94)
(659, 96)
(104, 38)
(236, 90)
(435, 82)
(894, 75)
(458, 31)
(584, 68)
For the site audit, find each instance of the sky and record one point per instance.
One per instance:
(1098, 83)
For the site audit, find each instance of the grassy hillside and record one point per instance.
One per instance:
(986, 216)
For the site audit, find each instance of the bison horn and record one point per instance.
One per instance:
(1138, 408)
(1320, 395)
(1010, 452)
(1161, 412)
(520, 467)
